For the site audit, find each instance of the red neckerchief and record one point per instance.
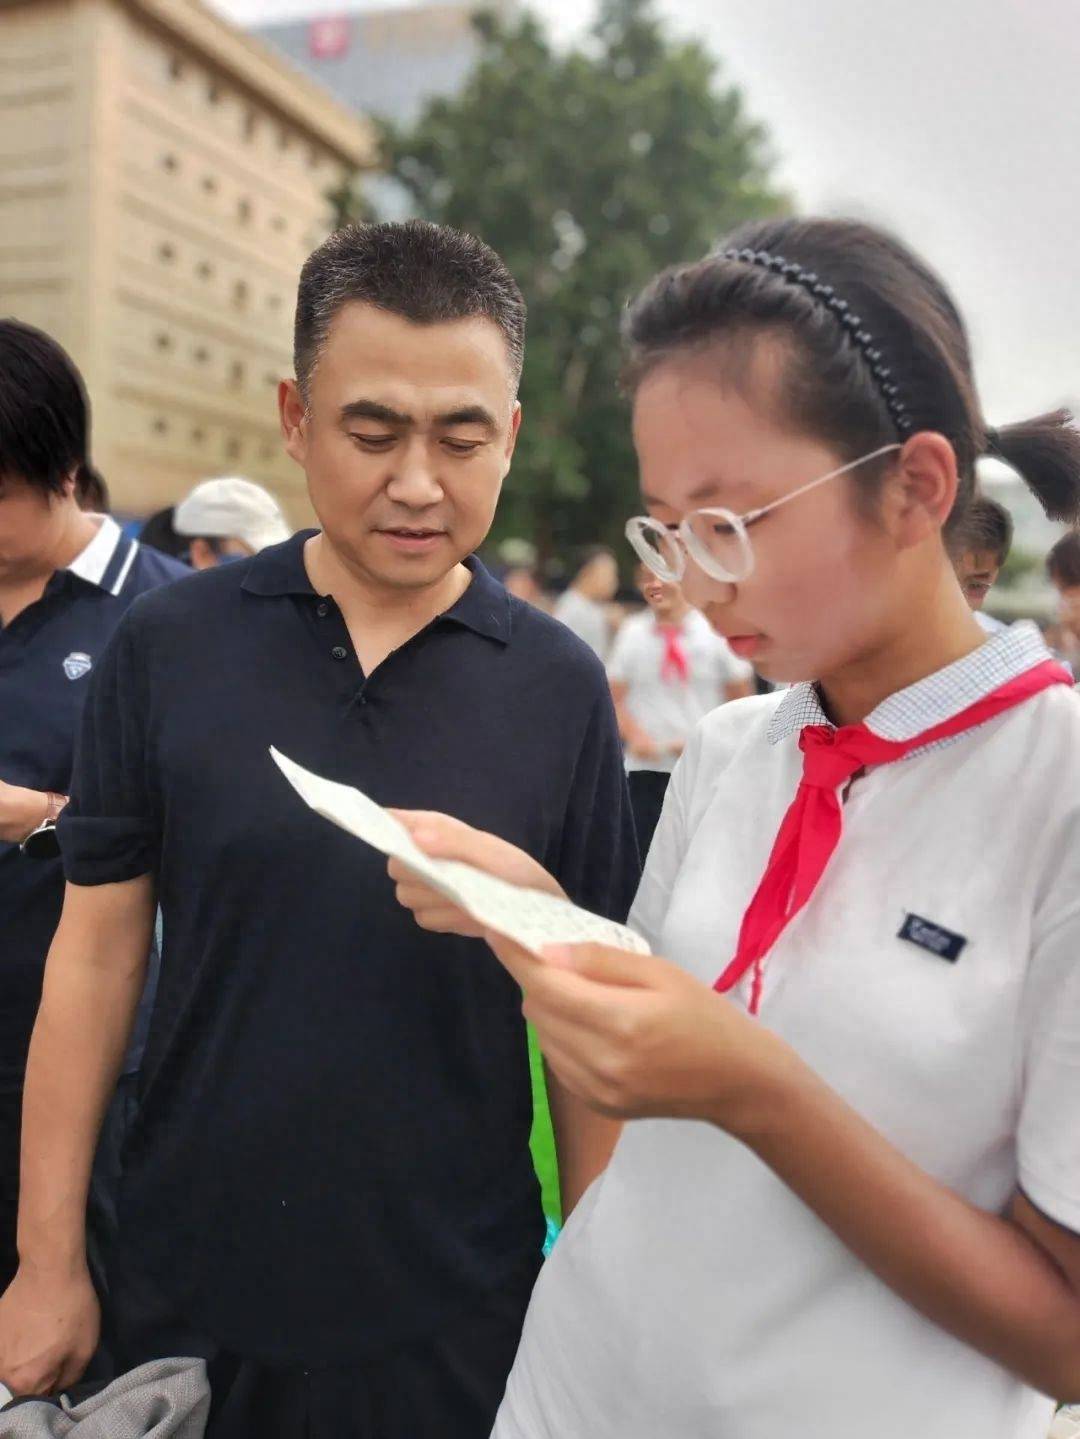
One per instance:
(812, 827)
(675, 665)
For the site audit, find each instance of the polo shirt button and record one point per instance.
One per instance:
(322, 610)
(339, 652)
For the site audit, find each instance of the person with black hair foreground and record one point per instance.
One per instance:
(979, 545)
(329, 1195)
(66, 579)
(584, 606)
(1063, 568)
(850, 1200)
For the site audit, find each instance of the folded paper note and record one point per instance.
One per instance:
(528, 916)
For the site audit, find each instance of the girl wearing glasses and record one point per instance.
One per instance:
(849, 1199)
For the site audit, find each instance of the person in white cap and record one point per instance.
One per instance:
(228, 518)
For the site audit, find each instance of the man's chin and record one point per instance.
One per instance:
(398, 569)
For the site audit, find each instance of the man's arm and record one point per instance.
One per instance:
(584, 1140)
(21, 811)
(93, 981)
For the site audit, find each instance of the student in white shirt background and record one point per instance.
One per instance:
(848, 1199)
(1063, 571)
(668, 669)
(585, 606)
(980, 545)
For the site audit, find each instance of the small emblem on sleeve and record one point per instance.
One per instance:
(934, 937)
(77, 664)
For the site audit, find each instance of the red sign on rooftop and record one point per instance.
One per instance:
(329, 37)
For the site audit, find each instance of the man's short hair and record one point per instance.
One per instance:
(985, 526)
(1063, 561)
(425, 273)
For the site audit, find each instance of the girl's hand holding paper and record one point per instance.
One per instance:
(631, 1034)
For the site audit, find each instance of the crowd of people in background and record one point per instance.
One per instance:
(262, 1108)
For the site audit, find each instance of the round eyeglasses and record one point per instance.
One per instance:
(716, 539)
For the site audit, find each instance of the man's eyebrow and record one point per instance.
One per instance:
(467, 415)
(373, 410)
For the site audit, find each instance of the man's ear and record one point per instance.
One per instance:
(511, 437)
(293, 414)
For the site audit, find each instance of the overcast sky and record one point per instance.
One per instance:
(955, 122)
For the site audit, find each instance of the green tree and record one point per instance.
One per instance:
(587, 170)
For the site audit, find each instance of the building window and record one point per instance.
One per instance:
(232, 448)
(283, 139)
(201, 354)
(170, 164)
(240, 294)
(278, 223)
(166, 253)
(160, 426)
(269, 378)
(243, 211)
(313, 158)
(267, 452)
(197, 436)
(251, 124)
(204, 270)
(209, 184)
(213, 93)
(236, 374)
(273, 302)
(176, 68)
(163, 341)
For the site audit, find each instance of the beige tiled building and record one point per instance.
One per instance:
(162, 178)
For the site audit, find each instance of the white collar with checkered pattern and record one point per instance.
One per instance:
(929, 701)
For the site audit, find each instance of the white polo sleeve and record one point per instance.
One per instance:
(1048, 1135)
(620, 661)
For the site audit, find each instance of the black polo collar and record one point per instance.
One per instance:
(483, 608)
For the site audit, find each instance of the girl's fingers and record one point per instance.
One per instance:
(519, 962)
(442, 837)
(604, 965)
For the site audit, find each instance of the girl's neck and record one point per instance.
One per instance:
(933, 634)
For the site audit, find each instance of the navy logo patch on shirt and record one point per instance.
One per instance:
(934, 937)
(77, 664)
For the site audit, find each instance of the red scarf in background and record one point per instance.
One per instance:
(675, 666)
(812, 827)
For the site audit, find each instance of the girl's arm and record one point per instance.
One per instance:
(635, 1036)
(1009, 1286)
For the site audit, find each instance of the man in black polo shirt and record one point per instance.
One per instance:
(66, 578)
(329, 1192)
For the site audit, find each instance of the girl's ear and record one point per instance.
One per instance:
(920, 490)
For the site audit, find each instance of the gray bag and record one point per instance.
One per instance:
(166, 1399)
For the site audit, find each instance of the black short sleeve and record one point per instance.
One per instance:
(598, 862)
(110, 830)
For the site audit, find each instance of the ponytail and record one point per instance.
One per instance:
(1045, 453)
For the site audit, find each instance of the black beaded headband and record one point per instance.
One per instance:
(795, 275)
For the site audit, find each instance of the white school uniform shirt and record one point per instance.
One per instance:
(670, 708)
(587, 618)
(692, 1295)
